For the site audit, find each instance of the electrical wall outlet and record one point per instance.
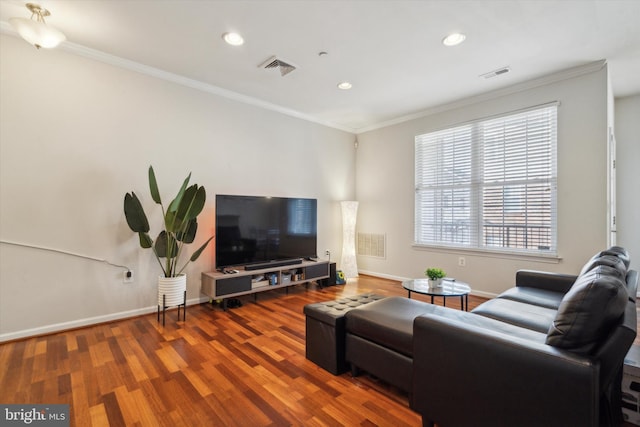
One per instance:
(127, 276)
(462, 262)
(327, 252)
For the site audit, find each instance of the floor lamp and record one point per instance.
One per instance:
(348, 263)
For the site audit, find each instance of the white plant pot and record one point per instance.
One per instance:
(437, 283)
(172, 288)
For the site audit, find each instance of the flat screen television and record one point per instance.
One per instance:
(253, 230)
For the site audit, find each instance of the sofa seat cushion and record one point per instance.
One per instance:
(387, 322)
(535, 296)
(518, 313)
(593, 305)
(493, 325)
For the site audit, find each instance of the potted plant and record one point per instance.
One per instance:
(435, 276)
(180, 226)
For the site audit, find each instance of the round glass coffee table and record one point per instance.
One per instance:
(449, 288)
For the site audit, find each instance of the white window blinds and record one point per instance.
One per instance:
(301, 217)
(489, 184)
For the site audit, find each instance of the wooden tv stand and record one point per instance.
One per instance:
(218, 285)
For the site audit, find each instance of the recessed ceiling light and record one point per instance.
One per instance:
(453, 39)
(234, 39)
(345, 85)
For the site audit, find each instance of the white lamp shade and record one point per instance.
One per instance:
(37, 33)
(349, 264)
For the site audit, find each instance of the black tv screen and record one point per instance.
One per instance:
(255, 230)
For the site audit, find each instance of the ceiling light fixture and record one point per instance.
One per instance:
(36, 31)
(345, 85)
(453, 39)
(234, 39)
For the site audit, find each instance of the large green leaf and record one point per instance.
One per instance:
(189, 235)
(133, 211)
(166, 246)
(145, 240)
(187, 201)
(197, 204)
(197, 253)
(173, 223)
(153, 186)
(192, 202)
(175, 203)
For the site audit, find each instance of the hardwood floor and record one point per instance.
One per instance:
(242, 367)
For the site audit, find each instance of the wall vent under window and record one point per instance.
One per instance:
(370, 244)
(277, 63)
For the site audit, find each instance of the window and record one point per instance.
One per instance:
(301, 220)
(489, 184)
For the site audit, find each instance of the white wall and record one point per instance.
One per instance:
(627, 131)
(77, 134)
(385, 182)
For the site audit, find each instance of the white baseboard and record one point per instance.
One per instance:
(57, 327)
(383, 275)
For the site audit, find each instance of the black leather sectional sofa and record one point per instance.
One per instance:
(548, 352)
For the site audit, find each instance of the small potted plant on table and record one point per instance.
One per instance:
(435, 276)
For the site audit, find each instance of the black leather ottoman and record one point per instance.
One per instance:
(379, 339)
(325, 330)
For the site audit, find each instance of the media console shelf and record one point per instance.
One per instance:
(218, 285)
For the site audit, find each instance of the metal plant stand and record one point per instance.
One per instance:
(164, 308)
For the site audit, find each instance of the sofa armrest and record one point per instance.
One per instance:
(545, 280)
(468, 375)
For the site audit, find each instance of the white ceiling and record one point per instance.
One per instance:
(390, 50)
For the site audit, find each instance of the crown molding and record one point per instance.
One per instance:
(127, 64)
(515, 88)
(116, 61)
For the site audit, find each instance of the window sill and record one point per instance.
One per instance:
(551, 258)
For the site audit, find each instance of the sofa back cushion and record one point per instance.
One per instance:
(620, 252)
(618, 266)
(614, 251)
(593, 305)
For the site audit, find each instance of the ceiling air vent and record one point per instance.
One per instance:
(275, 62)
(497, 72)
